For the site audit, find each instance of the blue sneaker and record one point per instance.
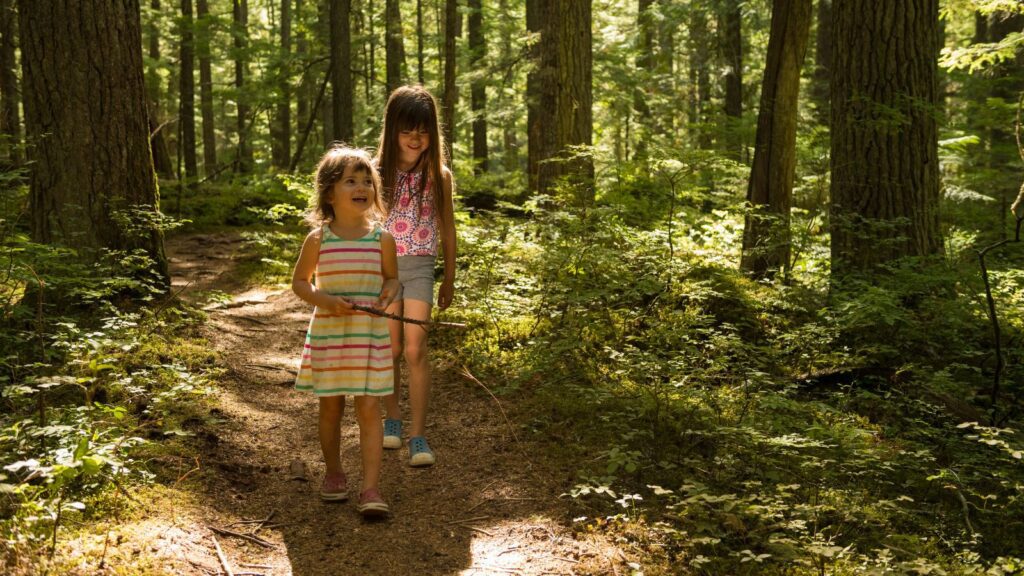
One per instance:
(392, 433)
(420, 454)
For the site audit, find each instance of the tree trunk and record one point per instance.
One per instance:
(541, 82)
(324, 35)
(240, 14)
(884, 157)
(732, 49)
(187, 92)
(1007, 85)
(91, 159)
(9, 125)
(665, 68)
(700, 80)
(394, 47)
(157, 141)
(645, 73)
(206, 88)
(509, 133)
(478, 51)
(419, 40)
(822, 62)
(451, 91)
(281, 147)
(341, 74)
(766, 236)
(302, 96)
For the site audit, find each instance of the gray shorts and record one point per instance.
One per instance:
(416, 275)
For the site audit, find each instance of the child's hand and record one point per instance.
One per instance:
(387, 294)
(445, 294)
(339, 305)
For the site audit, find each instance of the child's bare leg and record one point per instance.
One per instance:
(419, 365)
(331, 410)
(371, 435)
(391, 401)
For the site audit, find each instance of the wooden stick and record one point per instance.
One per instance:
(468, 520)
(223, 559)
(425, 323)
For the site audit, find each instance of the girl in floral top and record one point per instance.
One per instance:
(418, 194)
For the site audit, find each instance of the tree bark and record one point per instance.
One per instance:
(665, 119)
(341, 74)
(731, 22)
(281, 147)
(10, 126)
(240, 14)
(1007, 85)
(187, 91)
(478, 97)
(91, 159)
(206, 88)
(302, 96)
(884, 154)
(509, 132)
(394, 46)
(700, 80)
(766, 235)
(451, 91)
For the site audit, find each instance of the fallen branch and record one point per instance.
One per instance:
(223, 559)
(249, 537)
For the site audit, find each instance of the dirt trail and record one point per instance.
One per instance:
(483, 509)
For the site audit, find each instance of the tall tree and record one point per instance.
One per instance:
(700, 76)
(281, 148)
(562, 94)
(419, 41)
(665, 63)
(157, 141)
(822, 61)
(187, 91)
(206, 86)
(478, 95)
(451, 90)
(645, 71)
(9, 123)
(509, 133)
(240, 30)
(884, 156)
(1007, 85)
(766, 235)
(91, 159)
(541, 83)
(301, 51)
(394, 47)
(731, 37)
(341, 74)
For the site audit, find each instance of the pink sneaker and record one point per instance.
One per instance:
(372, 504)
(334, 487)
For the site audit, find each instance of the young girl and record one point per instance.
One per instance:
(418, 193)
(348, 352)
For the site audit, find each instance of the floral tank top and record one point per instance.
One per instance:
(411, 220)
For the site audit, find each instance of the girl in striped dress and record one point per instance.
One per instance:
(348, 352)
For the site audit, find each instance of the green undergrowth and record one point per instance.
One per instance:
(103, 377)
(741, 427)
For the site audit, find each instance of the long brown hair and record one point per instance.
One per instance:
(411, 108)
(329, 170)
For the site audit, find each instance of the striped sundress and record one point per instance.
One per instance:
(348, 354)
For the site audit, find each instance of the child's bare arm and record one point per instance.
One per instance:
(302, 277)
(389, 270)
(447, 290)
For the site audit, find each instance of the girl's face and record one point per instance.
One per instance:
(412, 144)
(353, 193)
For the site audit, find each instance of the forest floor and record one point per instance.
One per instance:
(491, 504)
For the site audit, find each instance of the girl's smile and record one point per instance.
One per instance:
(412, 144)
(354, 190)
